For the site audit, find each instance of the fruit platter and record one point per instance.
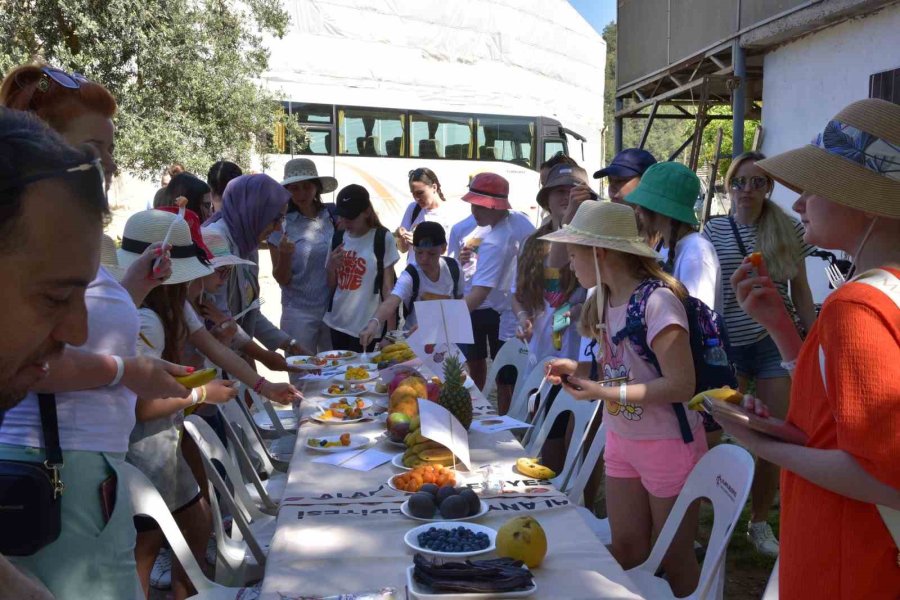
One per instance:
(413, 480)
(454, 540)
(377, 388)
(341, 356)
(341, 388)
(336, 443)
(357, 374)
(492, 578)
(345, 410)
(365, 365)
(447, 503)
(309, 363)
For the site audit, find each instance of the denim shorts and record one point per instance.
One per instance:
(760, 359)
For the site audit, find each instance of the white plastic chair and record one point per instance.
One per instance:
(272, 422)
(583, 413)
(526, 385)
(241, 556)
(145, 500)
(276, 451)
(723, 476)
(575, 489)
(513, 353)
(771, 591)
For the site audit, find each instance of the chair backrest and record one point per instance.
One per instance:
(237, 413)
(525, 387)
(583, 412)
(513, 353)
(429, 148)
(486, 153)
(265, 406)
(239, 454)
(583, 467)
(236, 498)
(771, 591)
(145, 500)
(723, 475)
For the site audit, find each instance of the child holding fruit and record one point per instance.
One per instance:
(646, 459)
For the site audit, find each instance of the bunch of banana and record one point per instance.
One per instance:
(422, 451)
(532, 468)
(397, 352)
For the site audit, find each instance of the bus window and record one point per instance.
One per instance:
(305, 112)
(510, 139)
(370, 132)
(319, 141)
(552, 147)
(440, 135)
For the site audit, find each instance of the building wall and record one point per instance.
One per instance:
(808, 81)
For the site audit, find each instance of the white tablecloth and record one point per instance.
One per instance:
(341, 531)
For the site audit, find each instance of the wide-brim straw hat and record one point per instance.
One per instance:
(109, 260)
(855, 161)
(150, 226)
(603, 225)
(303, 169)
(221, 251)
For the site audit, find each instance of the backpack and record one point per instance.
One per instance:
(413, 272)
(704, 324)
(381, 233)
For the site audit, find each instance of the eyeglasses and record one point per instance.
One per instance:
(756, 183)
(71, 81)
(94, 165)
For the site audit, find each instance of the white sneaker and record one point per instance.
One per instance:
(763, 538)
(161, 575)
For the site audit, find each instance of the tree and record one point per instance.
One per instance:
(708, 143)
(184, 72)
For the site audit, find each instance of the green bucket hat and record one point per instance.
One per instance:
(670, 189)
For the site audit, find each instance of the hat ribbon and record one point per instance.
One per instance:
(193, 251)
(604, 236)
(488, 194)
(863, 148)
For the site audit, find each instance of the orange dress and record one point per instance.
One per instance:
(833, 546)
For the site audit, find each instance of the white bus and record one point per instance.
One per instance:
(377, 147)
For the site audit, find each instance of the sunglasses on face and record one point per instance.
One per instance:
(92, 171)
(756, 183)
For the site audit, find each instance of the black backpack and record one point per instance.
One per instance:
(452, 266)
(381, 234)
(704, 324)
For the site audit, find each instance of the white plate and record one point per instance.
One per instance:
(350, 355)
(390, 482)
(417, 590)
(303, 366)
(325, 392)
(397, 461)
(411, 538)
(404, 508)
(326, 404)
(372, 367)
(317, 418)
(341, 378)
(356, 442)
(370, 389)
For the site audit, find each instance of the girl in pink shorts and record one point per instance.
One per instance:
(647, 460)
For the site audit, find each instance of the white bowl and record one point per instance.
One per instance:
(412, 538)
(404, 508)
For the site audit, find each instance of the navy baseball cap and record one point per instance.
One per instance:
(351, 201)
(429, 234)
(631, 162)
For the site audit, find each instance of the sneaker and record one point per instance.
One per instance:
(161, 575)
(763, 539)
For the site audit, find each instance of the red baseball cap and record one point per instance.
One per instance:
(489, 190)
(193, 222)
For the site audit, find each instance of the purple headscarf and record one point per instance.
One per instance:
(249, 205)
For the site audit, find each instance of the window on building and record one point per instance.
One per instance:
(440, 135)
(885, 85)
(370, 132)
(510, 139)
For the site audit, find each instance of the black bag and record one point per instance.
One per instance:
(30, 506)
(452, 266)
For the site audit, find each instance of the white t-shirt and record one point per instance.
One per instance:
(697, 268)
(521, 228)
(442, 289)
(97, 420)
(436, 215)
(355, 297)
(496, 266)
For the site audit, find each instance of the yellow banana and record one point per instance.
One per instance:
(723, 393)
(532, 468)
(197, 378)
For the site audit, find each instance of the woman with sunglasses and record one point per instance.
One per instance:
(95, 387)
(757, 224)
(427, 205)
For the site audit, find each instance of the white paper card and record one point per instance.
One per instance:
(364, 460)
(439, 425)
(444, 322)
(496, 424)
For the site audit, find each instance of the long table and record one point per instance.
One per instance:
(341, 530)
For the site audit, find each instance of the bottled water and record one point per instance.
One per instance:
(714, 353)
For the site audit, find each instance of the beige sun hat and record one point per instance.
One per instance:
(221, 251)
(303, 169)
(109, 260)
(603, 225)
(855, 161)
(150, 226)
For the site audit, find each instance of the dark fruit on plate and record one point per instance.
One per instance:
(443, 493)
(472, 501)
(454, 507)
(430, 488)
(421, 505)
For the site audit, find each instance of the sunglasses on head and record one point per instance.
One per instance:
(756, 183)
(70, 81)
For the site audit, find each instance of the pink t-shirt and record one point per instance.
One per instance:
(642, 421)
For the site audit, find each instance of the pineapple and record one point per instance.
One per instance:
(454, 396)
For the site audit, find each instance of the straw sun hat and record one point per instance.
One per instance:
(603, 225)
(854, 161)
(303, 169)
(150, 226)
(221, 251)
(108, 258)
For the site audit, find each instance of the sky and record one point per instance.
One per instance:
(596, 12)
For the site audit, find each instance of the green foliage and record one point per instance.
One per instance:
(184, 72)
(708, 149)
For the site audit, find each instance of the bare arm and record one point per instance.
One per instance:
(281, 265)
(385, 311)
(386, 286)
(477, 297)
(802, 298)
(16, 585)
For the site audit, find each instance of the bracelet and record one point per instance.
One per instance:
(195, 397)
(257, 387)
(789, 365)
(120, 370)
(202, 394)
(622, 393)
(377, 322)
